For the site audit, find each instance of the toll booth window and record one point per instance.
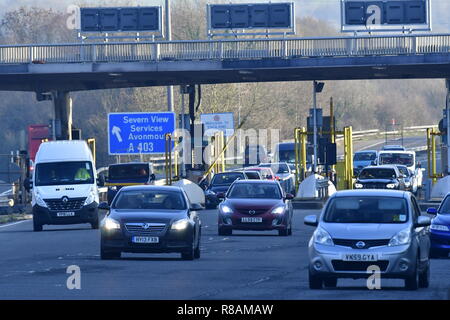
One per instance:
(128, 172)
(64, 173)
(397, 158)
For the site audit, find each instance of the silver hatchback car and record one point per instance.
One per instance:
(362, 229)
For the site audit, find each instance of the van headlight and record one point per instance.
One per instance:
(401, 238)
(391, 186)
(180, 224)
(322, 237)
(91, 197)
(39, 201)
(111, 224)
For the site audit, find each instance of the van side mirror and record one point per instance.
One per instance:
(101, 181)
(28, 184)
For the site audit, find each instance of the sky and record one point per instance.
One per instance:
(327, 10)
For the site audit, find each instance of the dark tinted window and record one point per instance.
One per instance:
(149, 199)
(254, 190)
(405, 159)
(367, 210)
(377, 173)
(226, 178)
(365, 156)
(136, 171)
(252, 175)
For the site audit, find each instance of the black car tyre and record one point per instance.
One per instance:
(37, 226)
(290, 229)
(109, 255)
(283, 232)
(315, 282)
(424, 278)
(95, 224)
(330, 282)
(189, 254)
(225, 232)
(412, 282)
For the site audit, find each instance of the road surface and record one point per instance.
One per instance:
(247, 265)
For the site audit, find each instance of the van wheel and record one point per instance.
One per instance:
(37, 227)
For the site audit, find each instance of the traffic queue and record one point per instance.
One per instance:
(378, 225)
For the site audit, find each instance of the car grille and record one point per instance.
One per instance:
(369, 243)
(374, 186)
(71, 204)
(139, 228)
(247, 211)
(340, 265)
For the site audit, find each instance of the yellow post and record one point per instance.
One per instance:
(92, 145)
(433, 157)
(300, 136)
(348, 156)
(429, 131)
(168, 158)
(175, 158)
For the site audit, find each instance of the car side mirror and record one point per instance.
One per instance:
(196, 207)
(422, 221)
(289, 196)
(103, 206)
(152, 177)
(221, 196)
(311, 221)
(432, 211)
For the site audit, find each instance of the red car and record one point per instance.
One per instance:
(255, 205)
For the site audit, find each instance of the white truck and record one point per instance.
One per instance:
(404, 158)
(64, 185)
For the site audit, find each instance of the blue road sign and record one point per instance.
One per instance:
(140, 132)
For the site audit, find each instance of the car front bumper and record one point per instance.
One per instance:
(87, 214)
(169, 241)
(269, 222)
(393, 262)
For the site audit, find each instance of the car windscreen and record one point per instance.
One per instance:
(404, 171)
(64, 173)
(286, 156)
(366, 210)
(138, 172)
(252, 175)
(445, 206)
(364, 156)
(377, 173)
(405, 159)
(278, 168)
(149, 200)
(254, 191)
(226, 179)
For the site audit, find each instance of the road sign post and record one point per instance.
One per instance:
(139, 133)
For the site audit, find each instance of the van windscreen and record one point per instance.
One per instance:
(64, 173)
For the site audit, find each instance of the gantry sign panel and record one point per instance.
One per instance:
(223, 17)
(387, 15)
(132, 19)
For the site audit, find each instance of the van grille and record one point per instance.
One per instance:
(70, 204)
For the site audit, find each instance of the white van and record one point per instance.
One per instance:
(64, 187)
(404, 158)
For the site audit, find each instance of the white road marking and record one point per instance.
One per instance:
(12, 224)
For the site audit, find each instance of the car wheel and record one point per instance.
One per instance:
(315, 282)
(290, 229)
(436, 253)
(424, 278)
(330, 282)
(109, 255)
(36, 225)
(412, 282)
(189, 254)
(225, 232)
(283, 232)
(197, 249)
(95, 224)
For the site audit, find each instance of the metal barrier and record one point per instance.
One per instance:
(225, 49)
(322, 188)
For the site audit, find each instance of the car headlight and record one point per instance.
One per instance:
(226, 209)
(39, 201)
(358, 186)
(439, 227)
(391, 186)
(279, 210)
(322, 237)
(401, 238)
(91, 197)
(111, 224)
(180, 224)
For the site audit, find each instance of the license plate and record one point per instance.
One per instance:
(251, 219)
(145, 240)
(65, 214)
(360, 257)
